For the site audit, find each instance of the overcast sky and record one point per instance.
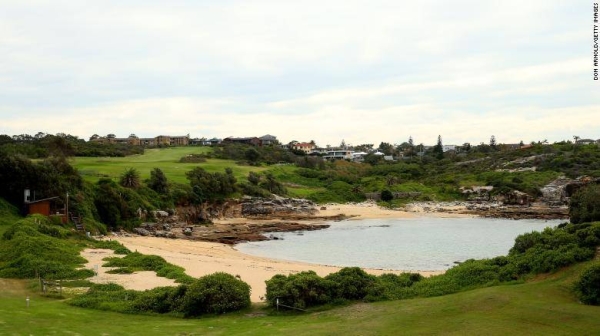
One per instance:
(363, 71)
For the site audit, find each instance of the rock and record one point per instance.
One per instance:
(141, 231)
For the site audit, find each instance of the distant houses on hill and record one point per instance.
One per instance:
(134, 140)
(182, 140)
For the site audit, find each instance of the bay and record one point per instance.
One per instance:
(412, 244)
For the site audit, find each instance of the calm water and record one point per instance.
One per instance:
(399, 244)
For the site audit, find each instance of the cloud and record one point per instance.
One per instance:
(355, 70)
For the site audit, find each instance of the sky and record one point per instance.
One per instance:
(328, 70)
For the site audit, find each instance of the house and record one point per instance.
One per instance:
(305, 147)
(359, 156)
(254, 141)
(268, 140)
(168, 140)
(446, 148)
(586, 141)
(134, 140)
(148, 142)
(342, 154)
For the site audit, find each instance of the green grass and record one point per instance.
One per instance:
(167, 159)
(544, 306)
(9, 214)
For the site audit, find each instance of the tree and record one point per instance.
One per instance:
(158, 181)
(130, 178)
(585, 205)
(213, 186)
(386, 148)
(493, 142)
(272, 185)
(252, 155)
(438, 149)
(253, 178)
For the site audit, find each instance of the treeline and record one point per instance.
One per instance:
(128, 201)
(42, 145)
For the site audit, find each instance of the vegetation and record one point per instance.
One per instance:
(585, 205)
(587, 287)
(35, 246)
(139, 262)
(542, 306)
(216, 293)
(533, 253)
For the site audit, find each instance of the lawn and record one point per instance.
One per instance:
(541, 307)
(167, 159)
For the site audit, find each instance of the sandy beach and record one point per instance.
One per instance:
(202, 258)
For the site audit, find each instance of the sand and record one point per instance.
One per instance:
(202, 258)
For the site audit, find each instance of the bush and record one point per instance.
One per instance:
(585, 205)
(160, 300)
(215, 294)
(351, 283)
(587, 288)
(301, 290)
(387, 195)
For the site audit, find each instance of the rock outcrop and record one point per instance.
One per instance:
(254, 207)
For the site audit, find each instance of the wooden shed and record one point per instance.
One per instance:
(48, 207)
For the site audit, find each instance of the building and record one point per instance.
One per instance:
(305, 147)
(133, 140)
(342, 154)
(254, 141)
(50, 207)
(268, 140)
(168, 140)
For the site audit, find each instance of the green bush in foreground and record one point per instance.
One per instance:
(587, 288)
(215, 294)
(212, 294)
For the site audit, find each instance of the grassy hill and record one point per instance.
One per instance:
(167, 159)
(8, 215)
(543, 306)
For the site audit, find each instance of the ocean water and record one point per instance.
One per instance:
(413, 244)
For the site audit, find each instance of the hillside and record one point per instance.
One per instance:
(166, 159)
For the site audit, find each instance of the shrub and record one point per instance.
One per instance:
(387, 195)
(215, 294)
(301, 290)
(350, 283)
(585, 205)
(587, 287)
(160, 300)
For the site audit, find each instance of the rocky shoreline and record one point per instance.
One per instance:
(254, 219)
(492, 210)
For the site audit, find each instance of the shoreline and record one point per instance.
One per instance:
(200, 258)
